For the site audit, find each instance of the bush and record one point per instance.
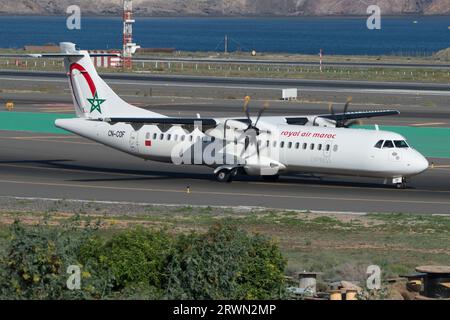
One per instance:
(35, 261)
(224, 263)
(135, 258)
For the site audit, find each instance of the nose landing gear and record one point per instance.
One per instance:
(400, 183)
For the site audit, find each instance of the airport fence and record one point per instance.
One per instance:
(254, 70)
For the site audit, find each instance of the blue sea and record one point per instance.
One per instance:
(399, 35)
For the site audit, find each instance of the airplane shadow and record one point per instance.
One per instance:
(159, 175)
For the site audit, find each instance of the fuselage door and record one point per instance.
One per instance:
(134, 145)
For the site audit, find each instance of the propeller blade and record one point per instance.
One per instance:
(331, 109)
(347, 104)
(257, 149)
(246, 104)
(260, 113)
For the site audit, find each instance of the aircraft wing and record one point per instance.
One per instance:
(169, 121)
(345, 116)
(290, 120)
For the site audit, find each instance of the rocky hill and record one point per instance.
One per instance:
(229, 7)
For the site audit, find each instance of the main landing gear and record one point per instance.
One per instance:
(226, 175)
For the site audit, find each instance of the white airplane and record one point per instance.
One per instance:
(256, 146)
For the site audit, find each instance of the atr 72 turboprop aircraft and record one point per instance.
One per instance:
(257, 146)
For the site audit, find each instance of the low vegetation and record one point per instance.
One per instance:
(159, 252)
(223, 263)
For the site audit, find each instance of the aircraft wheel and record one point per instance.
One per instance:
(271, 178)
(224, 175)
(401, 185)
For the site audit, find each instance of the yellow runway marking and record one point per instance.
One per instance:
(342, 187)
(182, 191)
(428, 124)
(73, 170)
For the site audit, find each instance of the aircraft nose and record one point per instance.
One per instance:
(421, 163)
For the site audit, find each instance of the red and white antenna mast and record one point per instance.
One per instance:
(129, 48)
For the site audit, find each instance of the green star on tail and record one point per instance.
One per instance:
(96, 103)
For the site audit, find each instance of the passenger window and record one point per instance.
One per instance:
(282, 144)
(379, 144)
(312, 146)
(147, 136)
(268, 143)
(290, 145)
(320, 147)
(328, 147)
(401, 144)
(175, 137)
(305, 145)
(388, 144)
(274, 144)
(182, 138)
(169, 137)
(161, 136)
(297, 145)
(335, 148)
(155, 136)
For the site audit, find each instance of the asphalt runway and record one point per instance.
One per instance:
(69, 167)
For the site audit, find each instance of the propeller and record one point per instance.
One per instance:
(253, 125)
(342, 122)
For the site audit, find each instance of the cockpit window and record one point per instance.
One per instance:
(379, 144)
(401, 144)
(388, 144)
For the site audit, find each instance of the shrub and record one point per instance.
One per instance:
(35, 263)
(225, 263)
(135, 258)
